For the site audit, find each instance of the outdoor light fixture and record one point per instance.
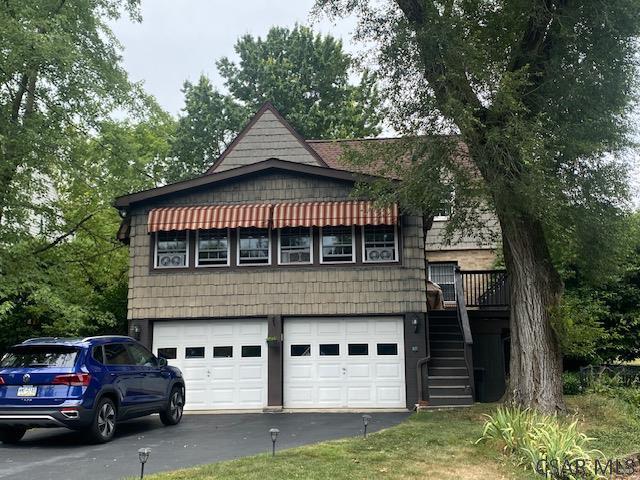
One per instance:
(365, 420)
(414, 322)
(136, 331)
(143, 455)
(274, 436)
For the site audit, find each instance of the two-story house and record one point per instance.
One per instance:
(271, 287)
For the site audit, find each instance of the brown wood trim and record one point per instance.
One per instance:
(125, 201)
(265, 106)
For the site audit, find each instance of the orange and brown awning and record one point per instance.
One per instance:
(210, 216)
(322, 214)
(302, 214)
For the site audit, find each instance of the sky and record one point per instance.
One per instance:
(179, 40)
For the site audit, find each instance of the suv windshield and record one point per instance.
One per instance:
(42, 356)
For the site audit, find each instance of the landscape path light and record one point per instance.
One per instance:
(365, 421)
(274, 436)
(143, 456)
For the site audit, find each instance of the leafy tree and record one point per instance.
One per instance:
(538, 94)
(305, 75)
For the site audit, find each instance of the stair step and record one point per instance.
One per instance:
(448, 381)
(450, 400)
(447, 352)
(447, 362)
(447, 371)
(445, 336)
(444, 328)
(446, 344)
(449, 390)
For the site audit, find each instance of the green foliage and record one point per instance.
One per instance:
(305, 75)
(541, 442)
(614, 385)
(572, 383)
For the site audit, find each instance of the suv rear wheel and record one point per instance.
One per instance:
(173, 414)
(103, 425)
(12, 434)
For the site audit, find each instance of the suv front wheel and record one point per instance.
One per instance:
(103, 425)
(173, 414)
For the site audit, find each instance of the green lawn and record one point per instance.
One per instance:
(429, 445)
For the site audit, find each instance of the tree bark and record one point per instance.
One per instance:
(535, 288)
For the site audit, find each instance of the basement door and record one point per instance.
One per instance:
(351, 362)
(224, 362)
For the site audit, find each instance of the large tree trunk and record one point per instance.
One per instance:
(536, 362)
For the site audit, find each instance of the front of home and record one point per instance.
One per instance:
(272, 288)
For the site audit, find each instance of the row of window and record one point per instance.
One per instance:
(124, 354)
(253, 351)
(353, 349)
(295, 246)
(225, 351)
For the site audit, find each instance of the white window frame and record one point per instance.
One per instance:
(213, 265)
(155, 254)
(395, 247)
(454, 265)
(444, 218)
(310, 262)
(353, 249)
(238, 249)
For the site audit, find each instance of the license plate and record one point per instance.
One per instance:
(27, 391)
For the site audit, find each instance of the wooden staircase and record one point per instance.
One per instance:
(449, 382)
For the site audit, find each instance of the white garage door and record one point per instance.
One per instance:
(344, 363)
(224, 362)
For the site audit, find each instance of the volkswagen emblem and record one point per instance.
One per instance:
(26, 378)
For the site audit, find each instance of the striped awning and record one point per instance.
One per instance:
(320, 214)
(210, 216)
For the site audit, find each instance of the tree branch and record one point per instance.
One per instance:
(64, 235)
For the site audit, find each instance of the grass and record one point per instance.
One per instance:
(434, 445)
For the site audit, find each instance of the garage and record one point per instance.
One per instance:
(350, 362)
(224, 362)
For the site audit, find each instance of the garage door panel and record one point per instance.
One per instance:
(220, 382)
(357, 376)
(329, 371)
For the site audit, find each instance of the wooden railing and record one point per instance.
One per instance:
(465, 328)
(485, 288)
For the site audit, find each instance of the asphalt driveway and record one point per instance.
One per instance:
(59, 454)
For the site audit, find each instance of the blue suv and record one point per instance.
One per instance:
(86, 384)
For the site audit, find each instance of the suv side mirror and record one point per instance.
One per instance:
(162, 362)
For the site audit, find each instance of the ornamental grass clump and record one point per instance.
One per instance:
(553, 448)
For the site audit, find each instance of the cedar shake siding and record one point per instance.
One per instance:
(273, 290)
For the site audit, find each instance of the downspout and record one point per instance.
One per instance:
(427, 222)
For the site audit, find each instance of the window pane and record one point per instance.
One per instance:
(213, 247)
(254, 246)
(98, 354)
(117, 354)
(358, 349)
(387, 349)
(295, 245)
(171, 248)
(223, 352)
(168, 353)
(141, 356)
(337, 244)
(300, 350)
(380, 243)
(194, 352)
(40, 356)
(251, 351)
(444, 275)
(329, 349)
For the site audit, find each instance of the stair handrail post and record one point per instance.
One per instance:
(465, 328)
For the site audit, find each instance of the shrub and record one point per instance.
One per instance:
(572, 383)
(542, 443)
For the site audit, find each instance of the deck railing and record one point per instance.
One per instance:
(485, 288)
